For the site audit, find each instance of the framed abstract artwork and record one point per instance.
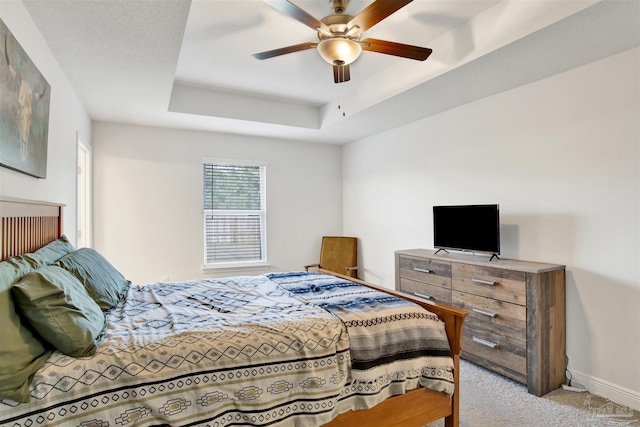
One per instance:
(24, 109)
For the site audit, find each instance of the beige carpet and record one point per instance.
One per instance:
(491, 400)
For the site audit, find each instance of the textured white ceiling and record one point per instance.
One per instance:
(188, 64)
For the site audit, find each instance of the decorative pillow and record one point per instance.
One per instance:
(103, 282)
(51, 252)
(58, 307)
(21, 352)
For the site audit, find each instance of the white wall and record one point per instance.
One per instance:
(561, 157)
(148, 198)
(67, 119)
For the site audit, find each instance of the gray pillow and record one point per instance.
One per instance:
(51, 252)
(21, 353)
(58, 307)
(102, 281)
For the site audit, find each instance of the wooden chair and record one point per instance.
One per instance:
(338, 254)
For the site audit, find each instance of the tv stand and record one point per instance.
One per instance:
(516, 325)
(493, 255)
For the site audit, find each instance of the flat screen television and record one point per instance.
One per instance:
(474, 228)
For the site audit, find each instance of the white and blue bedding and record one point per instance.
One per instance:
(290, 349)
(388, 336)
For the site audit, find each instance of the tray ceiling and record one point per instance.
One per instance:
(188, 64)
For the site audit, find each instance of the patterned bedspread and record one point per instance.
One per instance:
(240, 351)
(389, 337)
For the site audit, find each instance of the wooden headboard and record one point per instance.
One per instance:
(27, 225)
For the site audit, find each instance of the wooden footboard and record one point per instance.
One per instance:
(421, 406)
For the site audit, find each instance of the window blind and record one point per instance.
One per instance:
(234, 214)
(232, 187)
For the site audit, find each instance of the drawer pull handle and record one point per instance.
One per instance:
(425, 296)
(422, 270)
(485, 313)
(484, 282)
(485, 342)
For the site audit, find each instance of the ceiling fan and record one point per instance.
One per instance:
(340, 34)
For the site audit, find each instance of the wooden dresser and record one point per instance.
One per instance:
(516, 325)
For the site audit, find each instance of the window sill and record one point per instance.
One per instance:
(235, 266)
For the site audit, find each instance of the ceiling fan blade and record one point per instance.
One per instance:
(341, 73)
(397, 49)
(285, 50)
(376, 12)
(296, 13)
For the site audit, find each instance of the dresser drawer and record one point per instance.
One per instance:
(495, 313)
(427, 291)
(426, 270)
(496, 283)
(495, 331)
(495, 345)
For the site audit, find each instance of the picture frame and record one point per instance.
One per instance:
(24, 109)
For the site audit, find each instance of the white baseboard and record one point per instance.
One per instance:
(613, 392)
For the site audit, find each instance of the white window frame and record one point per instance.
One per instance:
(262, 213)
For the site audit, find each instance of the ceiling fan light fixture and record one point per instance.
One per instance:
(339, 50)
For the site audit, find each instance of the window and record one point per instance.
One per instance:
(234, 213)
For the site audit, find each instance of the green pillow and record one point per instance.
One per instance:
(58, 307)
(21, 353)
(51, 252)
(103, 282)
(17, 266)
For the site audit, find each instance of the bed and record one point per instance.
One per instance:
(281, 349)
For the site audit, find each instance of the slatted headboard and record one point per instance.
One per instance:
(27, 225)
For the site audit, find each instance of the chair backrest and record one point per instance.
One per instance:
(338, 253)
